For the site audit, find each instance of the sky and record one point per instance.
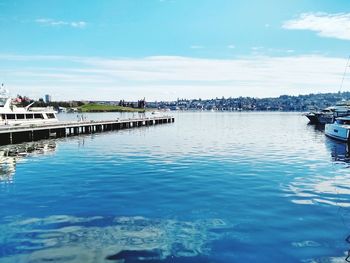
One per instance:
(169, 49)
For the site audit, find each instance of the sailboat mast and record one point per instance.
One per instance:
(344, 74)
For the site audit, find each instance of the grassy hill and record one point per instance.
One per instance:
(107, 108)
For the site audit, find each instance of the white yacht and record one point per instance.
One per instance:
(12, 115)
(339, 129)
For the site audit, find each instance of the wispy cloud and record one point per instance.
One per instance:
(168, 77)
(196, 47)
(58, 23)
(326, 25)
(231, 46)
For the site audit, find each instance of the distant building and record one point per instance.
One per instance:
(47, 98)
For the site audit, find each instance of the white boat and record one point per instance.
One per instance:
(12, 115)
(339, 129)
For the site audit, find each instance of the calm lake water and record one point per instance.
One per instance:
(211, 187)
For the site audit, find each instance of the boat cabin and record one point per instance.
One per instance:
(12, 115)
(27, 116)
(343, 121)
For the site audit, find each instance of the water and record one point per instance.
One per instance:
(212, 187)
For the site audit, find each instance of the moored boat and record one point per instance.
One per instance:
(339, 129)
(12, 115)
(328, 114)
(318, 117)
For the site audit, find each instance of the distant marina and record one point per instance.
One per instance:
(336, 120)
(27, 123)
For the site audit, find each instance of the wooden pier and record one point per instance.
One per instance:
(19, 134)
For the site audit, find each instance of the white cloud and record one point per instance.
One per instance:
(169, 77)
(196, 47)
(79, 24)
(231, 46)
(326, 25)
(58, 23)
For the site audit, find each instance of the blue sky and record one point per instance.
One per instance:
(165, 49)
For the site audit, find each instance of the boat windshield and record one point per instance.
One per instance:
(344, 122)
(2, 102)
(327, 110)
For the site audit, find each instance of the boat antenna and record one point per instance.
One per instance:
(344, 74)
(3, 90)
(27, 107)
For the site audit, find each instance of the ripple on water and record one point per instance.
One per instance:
(279, 189)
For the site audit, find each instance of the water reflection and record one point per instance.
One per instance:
(316, 127)
(340, 154)
(13, 154)
(339, 150)
(201, 167)
(331, 188)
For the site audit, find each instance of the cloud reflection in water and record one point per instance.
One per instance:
(331, 189)
(96, 239)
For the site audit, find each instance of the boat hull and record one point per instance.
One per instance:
(337, 131)
(312, 118)
(325, 118)
(319, 118)
(26, 122)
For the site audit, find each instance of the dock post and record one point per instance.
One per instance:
(30, 135)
